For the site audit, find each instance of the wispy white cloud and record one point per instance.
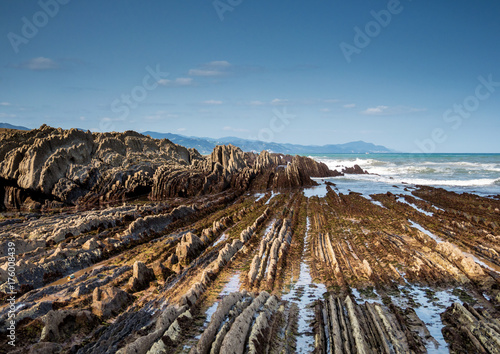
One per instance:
(386, 110)
(184, 81)
(181, 129)
(379, 110)
(180, 81)
(212, 102)
(236, 130)
(331, 100)
(273, 102)
(257, 103)
(349, 105)
(279, 102)
(219, 63)
(5, 115)
(38, 64)
(325, 110)
(212, 69)
(4, 103)
(202, 72)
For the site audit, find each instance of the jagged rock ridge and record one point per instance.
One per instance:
(48, 166)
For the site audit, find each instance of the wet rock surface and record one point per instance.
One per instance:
(225, 253)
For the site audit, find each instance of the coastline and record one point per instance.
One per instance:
(243, 252)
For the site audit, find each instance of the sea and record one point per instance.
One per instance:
(396, 172)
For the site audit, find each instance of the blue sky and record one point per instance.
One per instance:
(411, 75)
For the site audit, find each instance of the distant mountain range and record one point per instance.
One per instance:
(10, 126)
(206, 145)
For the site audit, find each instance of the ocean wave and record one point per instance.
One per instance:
(455, 183)
(464, 164)
(413, 166)
(479, 182)
(364, 163)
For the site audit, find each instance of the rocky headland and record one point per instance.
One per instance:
(128, 244)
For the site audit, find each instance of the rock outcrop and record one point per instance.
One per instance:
(189, 247)
(141, 277)
(470, 330)
(228, 253)
(77, 166)
(44, 166)
(109, 301)
(61, 325)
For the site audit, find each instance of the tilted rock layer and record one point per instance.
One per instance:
(227, 254)
(49, 166)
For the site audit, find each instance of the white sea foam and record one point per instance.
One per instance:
(411, 166)
(387, 178)
(478, 174)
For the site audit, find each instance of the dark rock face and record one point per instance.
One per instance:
(141, 277)
(73, 166)
(198, 259)
(60, 325)
(77, 167)
(469, 330)
(189, 246)
(355, 170)
(142, 281)
(109, 301)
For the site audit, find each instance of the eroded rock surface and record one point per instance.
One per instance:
(47, 165)
(225, 253)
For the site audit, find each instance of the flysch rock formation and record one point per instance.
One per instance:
(49, 167)
(126, 244)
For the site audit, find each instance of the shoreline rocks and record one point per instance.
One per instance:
(75, 167)
(225, 253)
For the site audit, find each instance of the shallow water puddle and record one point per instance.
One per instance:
(259, 196)
(210, 311)
(316, 191)
(483, 262)
(376, 202)
(232, 286)
(428, 202)
(304, 292)
(361, 299)
(428, 305)
(220, 239)
(403, 200)
(269, 227)
(271, 197)
(479, 260)
(425, 231)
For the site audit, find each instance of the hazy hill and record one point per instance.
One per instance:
(10, 126)
(206, 145)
